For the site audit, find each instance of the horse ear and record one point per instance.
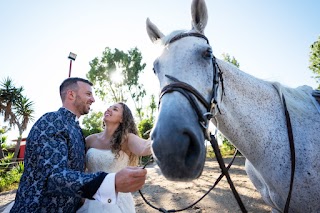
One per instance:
(153, 31)
(199, 15)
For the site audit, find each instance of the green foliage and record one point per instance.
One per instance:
(10, 176)
(92, 123)
(210, 152)
(16, 108)
(128, 66)
(227, 57)
(10, 179)
(315, 60)
(8, 158)
(144, 127)
(20, 167)
(153, 107)
(225, 150)
(3, 139)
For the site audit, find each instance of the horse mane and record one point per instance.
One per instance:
(299, 100)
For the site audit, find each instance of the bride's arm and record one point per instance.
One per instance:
(139, 146)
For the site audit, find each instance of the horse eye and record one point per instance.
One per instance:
(207, 54)
(155, 67)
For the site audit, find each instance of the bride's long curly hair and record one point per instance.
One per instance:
(120, 136)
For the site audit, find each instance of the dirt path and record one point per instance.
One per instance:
(6, 198)
(176, 195)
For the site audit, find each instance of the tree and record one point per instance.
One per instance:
(144, 127)
(227, 57)
(9, 95)
(315, 60)
(147, 123)
(152, 107)
(23, 111)
(3, 139)
(92, 123)
(16, 108)
(118, 63)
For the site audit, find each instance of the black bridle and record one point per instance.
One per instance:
(189, 92)
(193, 96)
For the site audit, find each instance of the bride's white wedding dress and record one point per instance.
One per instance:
(104, 160)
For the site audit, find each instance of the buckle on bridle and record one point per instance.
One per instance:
(206, 117)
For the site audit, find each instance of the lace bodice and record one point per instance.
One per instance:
(104, 160)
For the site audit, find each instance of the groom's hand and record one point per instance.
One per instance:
(130, 179)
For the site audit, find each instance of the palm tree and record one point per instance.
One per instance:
(3, 138)
(9, 94)
(24, 115)
(16, 108)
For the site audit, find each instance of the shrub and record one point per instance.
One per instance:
(144, 127)
(10, 179)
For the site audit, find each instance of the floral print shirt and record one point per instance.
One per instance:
(54, 179)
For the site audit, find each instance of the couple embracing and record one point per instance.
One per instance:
(65, 172)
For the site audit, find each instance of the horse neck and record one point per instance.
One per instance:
(246, 106)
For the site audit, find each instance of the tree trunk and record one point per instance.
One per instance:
(17, 149)
(1, 153)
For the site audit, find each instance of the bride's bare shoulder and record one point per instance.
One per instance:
(91, 138)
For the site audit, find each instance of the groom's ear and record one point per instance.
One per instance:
(71, 95)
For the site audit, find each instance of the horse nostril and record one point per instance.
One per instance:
(192, 151)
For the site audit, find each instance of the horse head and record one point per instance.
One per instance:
(185, 71)
(255, 115)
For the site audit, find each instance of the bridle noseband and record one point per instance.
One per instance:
(189, 93)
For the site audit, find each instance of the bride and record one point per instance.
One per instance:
(115, 148)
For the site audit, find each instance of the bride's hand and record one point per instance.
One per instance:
(130, 179)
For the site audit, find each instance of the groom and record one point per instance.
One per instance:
(54, 179)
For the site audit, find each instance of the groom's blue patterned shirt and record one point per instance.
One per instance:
(54, 178)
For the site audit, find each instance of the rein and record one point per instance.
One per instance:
(292, 154)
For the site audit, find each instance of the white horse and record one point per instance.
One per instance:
(251, 116)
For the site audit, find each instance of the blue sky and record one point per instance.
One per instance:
(270, 39)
